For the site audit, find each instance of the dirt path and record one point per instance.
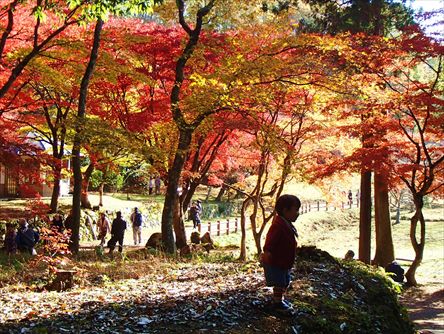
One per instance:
(426, 307)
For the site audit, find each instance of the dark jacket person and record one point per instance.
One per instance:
(117, 233)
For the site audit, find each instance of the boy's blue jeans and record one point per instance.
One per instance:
(276, 277)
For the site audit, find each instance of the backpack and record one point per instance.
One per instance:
(138, 219)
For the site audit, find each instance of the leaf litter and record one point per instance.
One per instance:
(204, 298)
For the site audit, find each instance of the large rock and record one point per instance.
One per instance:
(185, 250)
(195, 238)
(155, 241)
(207, 242)
(206, 239)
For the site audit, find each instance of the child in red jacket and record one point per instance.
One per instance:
(279, 249)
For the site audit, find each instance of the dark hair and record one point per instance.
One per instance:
(287, 202)
(119, 214)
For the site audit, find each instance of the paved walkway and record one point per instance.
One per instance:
(426, 307)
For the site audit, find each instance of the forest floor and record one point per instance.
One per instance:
(144, 292)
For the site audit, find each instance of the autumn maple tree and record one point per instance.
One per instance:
(414, 76)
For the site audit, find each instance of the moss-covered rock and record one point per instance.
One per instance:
(332, 296)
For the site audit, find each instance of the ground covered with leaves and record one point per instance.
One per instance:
(147, 294)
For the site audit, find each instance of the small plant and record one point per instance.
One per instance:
(53, 250)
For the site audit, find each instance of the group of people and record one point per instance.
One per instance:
(154, 185)
(117, 229)
(350, 197)
(23, 239)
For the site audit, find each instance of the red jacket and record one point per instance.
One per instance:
(281, 244)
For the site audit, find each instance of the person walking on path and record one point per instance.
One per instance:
(157, 185)
(350, 198)
(103, 228)
(195, 214)
(137, 222)
(117, 233)
(199, 206)
(279, 251)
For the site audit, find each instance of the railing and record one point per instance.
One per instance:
(226, 227)
(220, 227)
(325, 206)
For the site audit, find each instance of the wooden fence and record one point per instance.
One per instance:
(226, 227)
(220, 227)
(325, 206)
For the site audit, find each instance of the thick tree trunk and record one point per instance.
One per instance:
(102, 185)
(185, 130)
(365, 217)
(84, 199)
(179, 228)
(189, 195)
(385, 253)
(56, 187)
(171, 196)
(74, 245)
(417, 246)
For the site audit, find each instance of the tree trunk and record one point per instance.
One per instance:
(179, 228)
(365, 217)
(221, 193)
(243, 221)
(185, 130)
(84, 200)
(56, 187)
(257, 240)
(189, 195)
(385, 253)
(171, 196)
(102, 184)
(254, 230)
(417, 246)
(207, 197)
(74, 245)
(398, 213)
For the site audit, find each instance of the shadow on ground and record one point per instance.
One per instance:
(425, 309)
(233, 311)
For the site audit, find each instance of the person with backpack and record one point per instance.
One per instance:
(137, 221)
(117, 233)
